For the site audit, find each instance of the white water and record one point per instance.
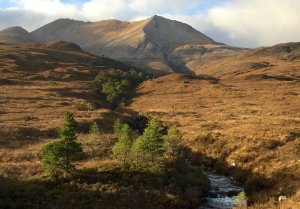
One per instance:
(222, 193)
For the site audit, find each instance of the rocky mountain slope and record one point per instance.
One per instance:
(158, 45)
(151, 44)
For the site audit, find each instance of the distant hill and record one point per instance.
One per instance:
(15, 35)
(281, 62)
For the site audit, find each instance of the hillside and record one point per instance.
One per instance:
(16, 35)
(240, 115)
(40, 82)
(280, 62)
(150, 44)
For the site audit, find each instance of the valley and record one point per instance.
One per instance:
(237, 110)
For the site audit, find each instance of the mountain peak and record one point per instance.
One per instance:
(15, 35)
(14, 29)
(172, 31)
(147, 43)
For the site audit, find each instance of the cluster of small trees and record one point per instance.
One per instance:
(148, 151)
(115, 84)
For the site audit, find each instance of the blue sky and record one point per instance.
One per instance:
(246, 23)
(200, 6)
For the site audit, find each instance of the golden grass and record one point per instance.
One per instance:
(258, 122)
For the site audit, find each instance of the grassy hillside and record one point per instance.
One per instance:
(38, 84)
(248, 129)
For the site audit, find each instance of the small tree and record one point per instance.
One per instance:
(118, 125)
(57, 157)
(173, 142)
(149, 147)
(94, 131)
(121, 150)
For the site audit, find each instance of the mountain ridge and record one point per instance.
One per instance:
(157, 45)
(145, 43)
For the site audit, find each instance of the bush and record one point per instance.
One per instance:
(118, 125)
(207, 139)
(173, 142)
(94, 131)
(255, 184)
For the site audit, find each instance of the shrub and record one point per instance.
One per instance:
(207, 139)
(272, 144)
(255, 184)
(94, 131)
(173, 142)
(118, 125)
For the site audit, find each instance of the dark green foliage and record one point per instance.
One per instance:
(116, 84)
(57, 156)
(68, 130)
(148, 149)
(113, 90)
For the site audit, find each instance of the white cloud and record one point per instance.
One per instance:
(47, 7)
(238, 22)
(259, 22)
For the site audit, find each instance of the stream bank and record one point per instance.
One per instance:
(223, 193)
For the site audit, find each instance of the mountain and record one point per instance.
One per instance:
(16, 35)
(160, 46)
(280, 62)
(156, 44)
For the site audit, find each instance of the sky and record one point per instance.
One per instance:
(244, 23)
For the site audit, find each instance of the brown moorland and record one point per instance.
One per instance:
(249, 119)
(38, 83)
(242, 117)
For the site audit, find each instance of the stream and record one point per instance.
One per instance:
(222, 193)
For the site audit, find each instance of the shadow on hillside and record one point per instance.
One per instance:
(271, 77)
(91, 189)
(88, 95)
(22, 136)
(73, 195)
(11, 82)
